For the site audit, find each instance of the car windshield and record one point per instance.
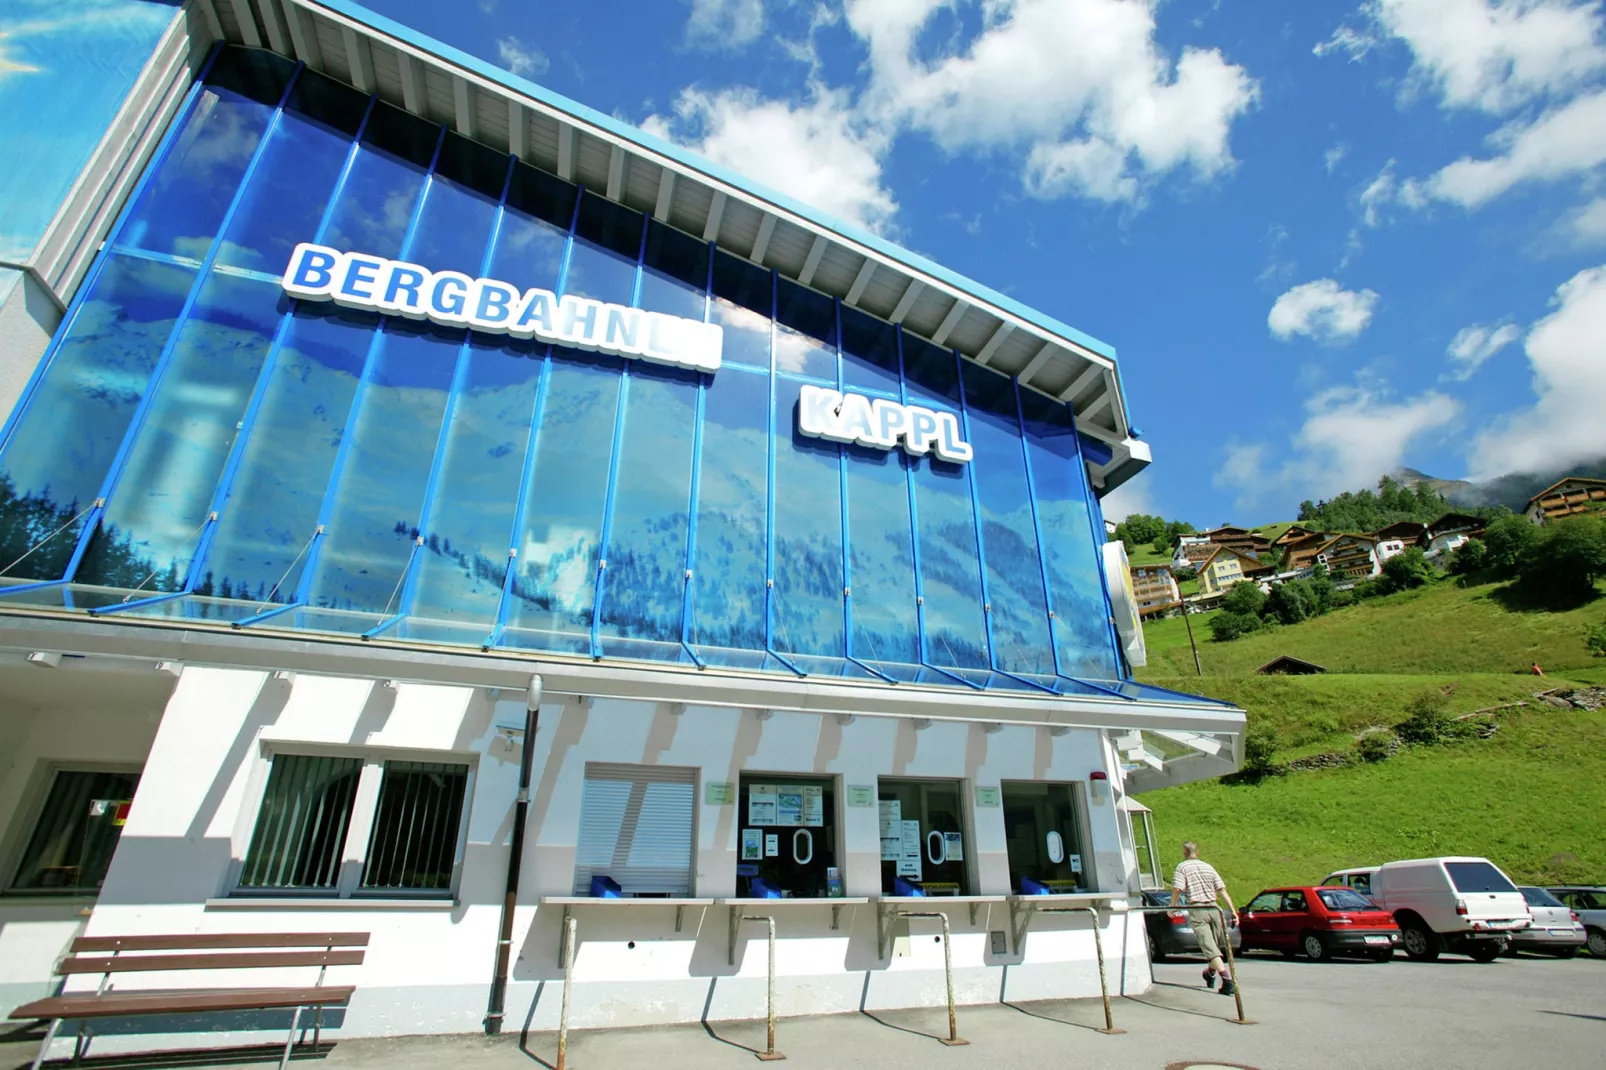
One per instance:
(1478, 877)
(1538, 897)
(1344, 899)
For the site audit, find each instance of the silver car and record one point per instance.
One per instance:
(1589, 903)
(1556, 929)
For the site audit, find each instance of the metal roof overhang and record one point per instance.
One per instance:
(490, 105)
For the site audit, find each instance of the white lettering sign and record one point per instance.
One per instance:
(452, 299)
(839, 417)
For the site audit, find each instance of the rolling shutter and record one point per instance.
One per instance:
(636, 827)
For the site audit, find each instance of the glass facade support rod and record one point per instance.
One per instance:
(142, 410)
(1037, 530)
(769, 494)
(621, 410)
(270, 363)
(504, 604)
(375, 348)
(409, 582)
(689, 594)
(87, 286)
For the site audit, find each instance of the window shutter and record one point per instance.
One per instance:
(636, 827)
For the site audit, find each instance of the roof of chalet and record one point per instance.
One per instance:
(1451, 522)
(1401, 529)
(1564, 482)
(1217, 549)
(1288, 665)
(1294, 533)
(1197, 551)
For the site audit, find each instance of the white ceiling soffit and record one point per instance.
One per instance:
(699, 203)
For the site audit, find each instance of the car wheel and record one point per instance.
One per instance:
(1485, 950)
(1383, 956)
(1597, 943)
(1314, 946)
(1565, 953)
(1421, 945)
(1155, 954)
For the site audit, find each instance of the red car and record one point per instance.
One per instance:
(1319, 922)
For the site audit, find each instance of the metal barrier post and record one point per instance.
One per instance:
(1098, 950)
(1232, 966)
(953, 1040)
(769, 1054)
(570, 926)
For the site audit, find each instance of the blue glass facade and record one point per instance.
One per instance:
(200, 446)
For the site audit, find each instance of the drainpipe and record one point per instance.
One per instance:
(510, 901)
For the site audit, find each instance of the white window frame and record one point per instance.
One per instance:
(360, 825)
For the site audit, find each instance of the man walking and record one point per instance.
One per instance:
(1196, 883)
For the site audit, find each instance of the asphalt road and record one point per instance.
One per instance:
(1512, 1013)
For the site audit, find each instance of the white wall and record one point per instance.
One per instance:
(28, 317)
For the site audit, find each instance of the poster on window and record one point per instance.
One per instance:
(752, 844)
(788, 806)
(911, 861)
(953, 846)
(761, 804)
(772, 845)
(891, 830)
(814, 806)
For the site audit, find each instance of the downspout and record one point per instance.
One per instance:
(510, 901)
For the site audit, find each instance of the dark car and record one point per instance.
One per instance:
(1171, 934)
(1319, 922)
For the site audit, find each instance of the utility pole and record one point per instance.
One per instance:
(1187, 616)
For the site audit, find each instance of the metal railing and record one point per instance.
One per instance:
(1019, 927)
(570, 929)
(953, 1040)
(769, 1054)
(1232, 964)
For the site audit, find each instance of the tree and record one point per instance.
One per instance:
(1406, 570)
(1567, 558)
(1290, 603)
(1225, 626)
(1244, 597)
(1367, 510)
(1469, 558)
(1322, 588)
(1143, 529)
(1508, 541)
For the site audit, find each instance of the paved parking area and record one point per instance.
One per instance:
(1452, 1013)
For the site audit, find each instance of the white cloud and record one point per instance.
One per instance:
(1080, 85)
(822, 151)
(1569, 378)
(1351, 436)
(1322, 310)
(1334, 156)
(1586, 225)
(1474, 345)
(1353, 43)
(1566, 142)
(526, 61)
(725, 23)
(1127, 499)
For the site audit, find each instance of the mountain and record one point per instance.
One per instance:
(1512, 490)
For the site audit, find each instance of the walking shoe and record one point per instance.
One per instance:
(1227, 987)
(1210, 978)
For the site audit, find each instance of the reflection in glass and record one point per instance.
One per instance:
(728, 566)
(153, 522)
(881, 560)
(808, 536)
(805, 332)
(869, 353)
(535, 229)
(383, 186)
(59, 452)
(607, 240)
(743, 298)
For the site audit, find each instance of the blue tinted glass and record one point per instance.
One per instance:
(607, 238)
(1076, 580)
(869, 353)
(930, 374)
(554, 590)
(535, 228)
(369, 537)
(674, 273)
(808, 536)
(1021, 640)
(950, 574)
(268, 520)
(457, 217)
(464, 560)
(805, 332)
(292, 182)
(59, 452)
(728, 567)
(153, 521)
(881, 545)
(377, 202)
(742, 301)
(182, 206)
(645, 578)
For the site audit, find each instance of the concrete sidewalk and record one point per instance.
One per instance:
(1511, 1013)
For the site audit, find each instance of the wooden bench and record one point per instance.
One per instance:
(106, 955)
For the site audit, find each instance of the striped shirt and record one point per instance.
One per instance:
(1199, 880)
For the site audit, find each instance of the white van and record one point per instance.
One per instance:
(1457, 904)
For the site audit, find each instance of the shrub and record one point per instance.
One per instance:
(1374, 747)
(1404, 571)
(1430, 723)
(1225, 626)
(1469, 558)
(1244, 597)
(1566, 558)
(1290, 603)
(1595, 640)
(1260, 752)
(1508, 541)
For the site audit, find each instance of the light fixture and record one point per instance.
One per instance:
(921, 723)
(47, 659)
(992, 728)
(845, 719)
(171, 668)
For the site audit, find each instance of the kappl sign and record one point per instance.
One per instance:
(452, 299)
(839, 417)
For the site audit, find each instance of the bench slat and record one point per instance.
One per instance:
(115, 1003)
(217, 941)
(227, 961)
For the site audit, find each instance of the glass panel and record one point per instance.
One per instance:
(535, 229)
(554, 591)
(464, 561)
(268, 521)
(885, 625)
(950, 574)
(805, 332)
(377, 202)
(301, 826)
(674, 273)
(869, 353)
(77, 832)
(413, 846)
(1021, 639)
(728, 566)
(293, 180)
(1043, 836)
(153, 523)
(375, 520)
(741, 306)
(62, 447)
(181, 208)
(607, 239)
(1075, 575)
(808, 536)
(799, 813)
(457, 218)
(645, 578)
(929, 846)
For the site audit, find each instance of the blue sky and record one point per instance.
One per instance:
(1326, 238)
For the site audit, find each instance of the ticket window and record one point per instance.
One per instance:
(1043, 832)
(923, 836)
(786, 846)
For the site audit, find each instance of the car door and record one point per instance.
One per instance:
(1292, 920)
(1257, 920)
